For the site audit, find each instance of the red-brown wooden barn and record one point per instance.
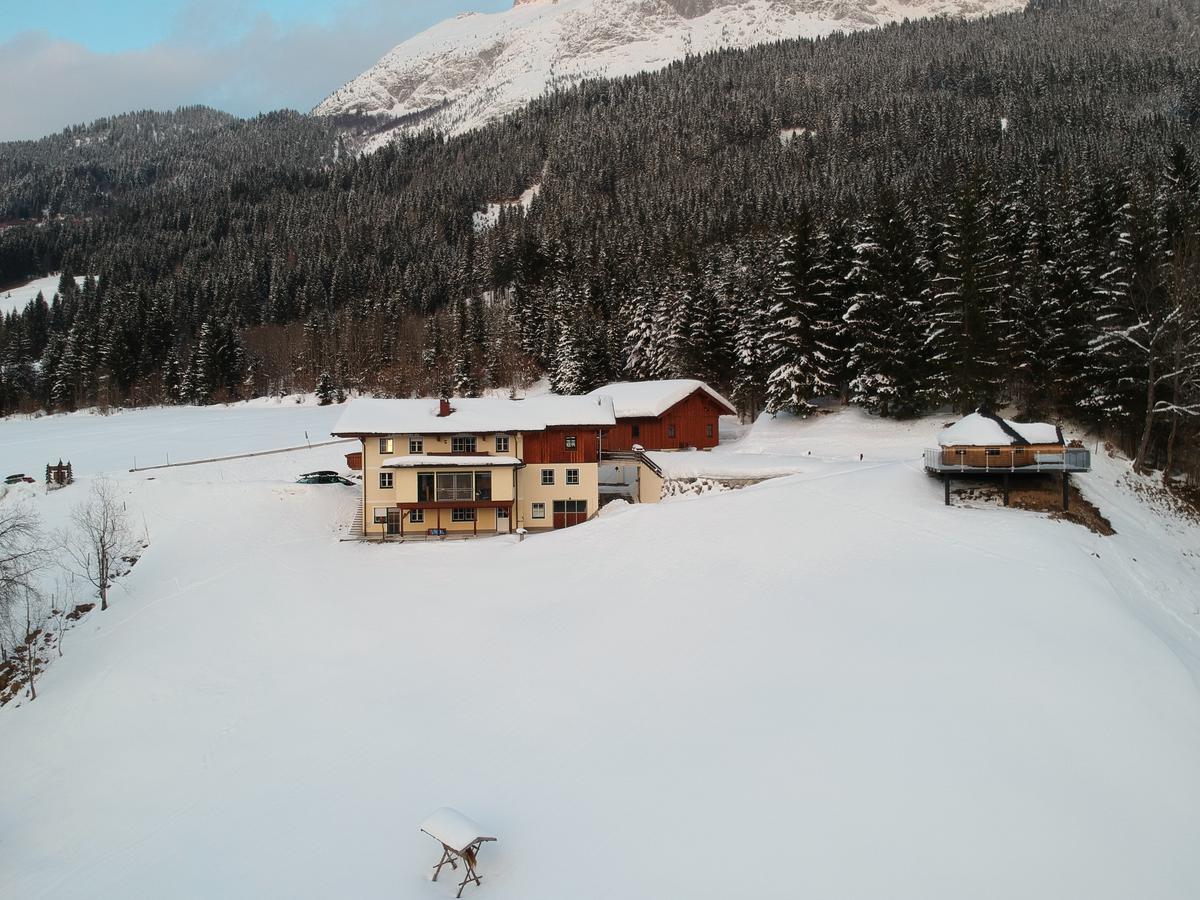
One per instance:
(664, 415)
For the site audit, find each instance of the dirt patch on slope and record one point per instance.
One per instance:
(1042, 494)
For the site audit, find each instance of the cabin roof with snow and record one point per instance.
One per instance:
(650, 399)
(986, 430)
(475, 415)
(454, 830)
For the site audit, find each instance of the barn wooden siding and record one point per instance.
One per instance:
(693, 417)
(550, 446)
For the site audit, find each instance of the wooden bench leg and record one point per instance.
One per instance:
(446, 858)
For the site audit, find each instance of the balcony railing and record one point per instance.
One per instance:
(1069, 459)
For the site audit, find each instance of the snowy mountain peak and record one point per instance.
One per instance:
(466, 71)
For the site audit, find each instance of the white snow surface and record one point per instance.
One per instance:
(468, 70)
(473, 415)
(453, 829)
(912, 701)
(975, 430)
(488, 218)
(648, 399)
(15, 299)
(414, 462)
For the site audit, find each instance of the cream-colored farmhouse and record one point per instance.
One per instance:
(477, 466)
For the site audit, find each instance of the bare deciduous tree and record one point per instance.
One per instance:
(22, 606)
(100, 537)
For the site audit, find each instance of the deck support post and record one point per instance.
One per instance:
(1006, 489)
(946, 482)
(1066, 491)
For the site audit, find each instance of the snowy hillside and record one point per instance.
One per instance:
(15, 299)
(468, 70)
(826, 685)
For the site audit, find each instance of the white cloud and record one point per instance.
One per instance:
(218, 57)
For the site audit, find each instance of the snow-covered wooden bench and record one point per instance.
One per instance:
(460, 838)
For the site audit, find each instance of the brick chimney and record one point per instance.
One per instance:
(444, 408)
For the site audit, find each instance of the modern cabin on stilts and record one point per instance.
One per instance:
(985, 445)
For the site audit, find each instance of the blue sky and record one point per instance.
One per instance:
(71, 61)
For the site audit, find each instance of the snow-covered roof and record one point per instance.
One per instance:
(978, 430)
(476, 415)
(454, 829)
(412, 462)
(649, 399)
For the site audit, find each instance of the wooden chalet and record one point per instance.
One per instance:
(675, 414)
(984, 444)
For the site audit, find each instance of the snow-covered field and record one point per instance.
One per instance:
(15, 299)
(827, 685)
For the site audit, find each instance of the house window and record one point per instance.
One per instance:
(572, 476)
(385, 480)
(385, 445)
(483, 485)
(502, 443)
(539, 510)
(455, 486)
(671, 432)
(462, 444)
(547, 476)
(379, 514)
(425, 490)
(637, 431)
(708, 431)
(960, 452)
(571, 442)
(993, 451)
(462, 515)
(416, 516)
(416, 446)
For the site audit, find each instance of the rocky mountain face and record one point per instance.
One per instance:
(468, 70)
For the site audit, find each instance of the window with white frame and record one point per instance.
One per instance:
(462, 515)
(571, 442)
(572, 476)
(416, 516)
(502, 443)
(379, 515)
(385, 445)
(385, 480)
(462, 444)
(416, 446)
(547, 476)
(539, 510)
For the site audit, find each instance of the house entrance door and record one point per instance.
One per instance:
(503, 522)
